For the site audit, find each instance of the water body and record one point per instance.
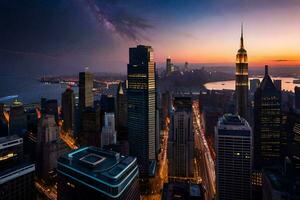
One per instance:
(29, 89)
(286, 84)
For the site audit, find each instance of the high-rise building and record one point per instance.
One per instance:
(49, 146)
(233, 141)
(184, 191)
(86, 96)
(17, 119)
(51, 108)
(267, 130)
(297, 97)
(169, 66)
(68, 110)
(241, 81)
(16, 173)
(277, 84)
(121, 112)
(93, 173)
(267, 123)
(141, 106)
(181, 139)
(108, 134)
(3, 122)
(91, 124)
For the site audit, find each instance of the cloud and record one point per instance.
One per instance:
(283, 60)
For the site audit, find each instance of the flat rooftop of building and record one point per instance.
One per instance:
(233, 122)
(182, 191)
(98, 163)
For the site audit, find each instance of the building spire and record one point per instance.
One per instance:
(266, 70)
(242, 36)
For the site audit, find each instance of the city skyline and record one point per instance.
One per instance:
(197, 32)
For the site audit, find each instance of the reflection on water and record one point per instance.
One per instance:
(287, 84)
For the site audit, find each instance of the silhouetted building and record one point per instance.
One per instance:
(277, 84)
(86, 96)
(68, 110)
(181, 139)
(90, 133)
(108, 134)
(254, 84)
(267, 130)
(182, 191)
(3, 122)
(233, 141)
(141, 106)
(16, 174)
(93, 173)
(107, 103)
(169, 66)
(17, 119)
(241, 82)
(121, 113)
(49, 146)
(51, 108)
(297, 97)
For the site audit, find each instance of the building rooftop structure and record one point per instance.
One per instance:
(233, 122)
(99, 169)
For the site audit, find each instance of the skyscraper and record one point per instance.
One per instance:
(51, 108)
(241, 81)
(17, 119)
(267, 130)
(141, 106)
(267, 123)
(94, 173)
(181, 139)
(297, 97)
(108, 134)
(86, 97)
(68, 109)
(121, 112)
(16, 173)
(233, 142)
(277, 84)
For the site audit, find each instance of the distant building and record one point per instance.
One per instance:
(169, 66)
(51, 108)
(181, 139)
(49, 146)
(68, 110)
(3, 122)
(91, 124)
(93, 173)
(108, 134)
(16, 174)
(141, 107)
(233, 141)
(86, 96)
(17, 119)
(254, 84)
(241, 82)
(182, 191)
(121, 112)
(277, 84)
(297, 97)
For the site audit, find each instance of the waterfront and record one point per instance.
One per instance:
(287, 84)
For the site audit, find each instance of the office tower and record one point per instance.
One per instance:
(233, 141)
(32, 120)
(121, 112)
(91, 124)
(166, 106)
(254, 84)
(297, 97)
(93, 173)
(51, 108)
(3, 122)
(108, 134)
(68, 110)
(49, 147)
(17, 119)
(267, 123)
(241, 81)
(277, 84)
(181, 190)
(181, 139)
(86, 96)
(107, 103)
(16, 173)
(169, 66)
(141, 106)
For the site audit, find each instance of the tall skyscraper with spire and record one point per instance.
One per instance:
(241, 80)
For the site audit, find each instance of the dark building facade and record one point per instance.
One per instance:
(93, 173)
(141, 106)
(68, 109)
(183, 191)
(121, 112)
(16, 174)
(86, 97)
(241, 82)
(297, 97)
(17, 116)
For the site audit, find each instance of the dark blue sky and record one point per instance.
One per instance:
(62, 36)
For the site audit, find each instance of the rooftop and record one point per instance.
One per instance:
(182, 191)
(233, 122)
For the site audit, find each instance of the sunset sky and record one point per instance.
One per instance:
(65, 35)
